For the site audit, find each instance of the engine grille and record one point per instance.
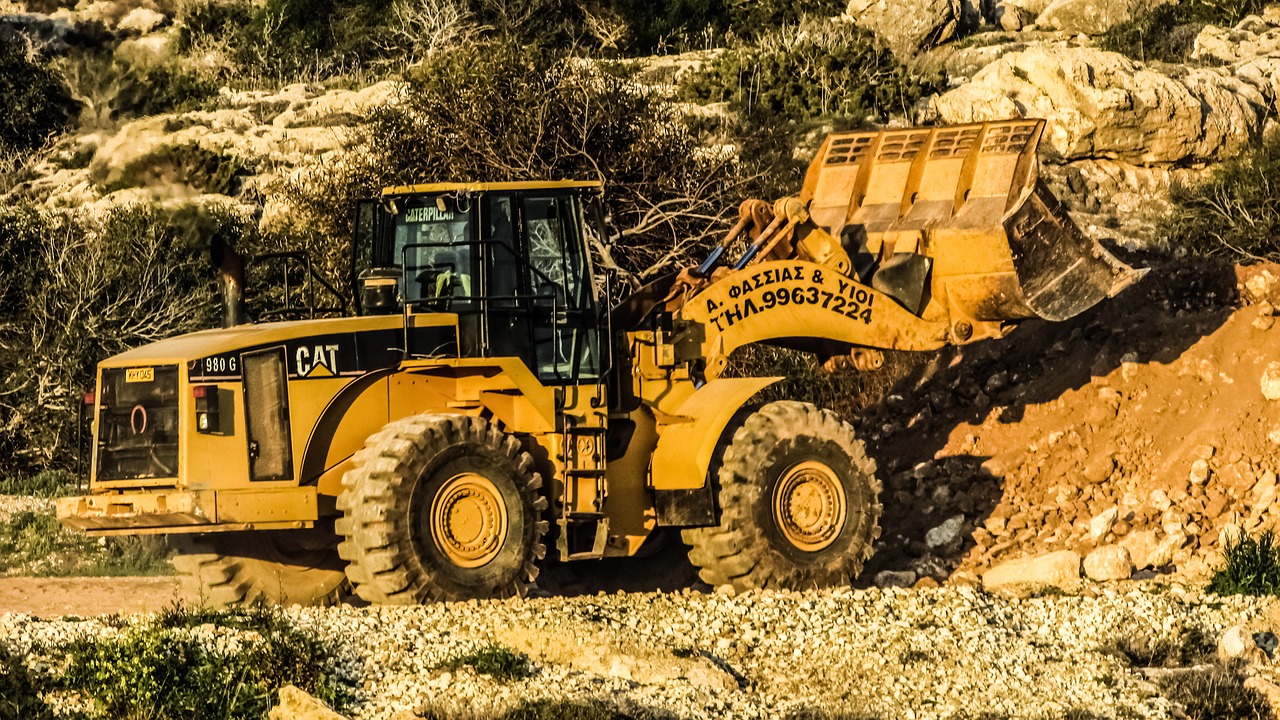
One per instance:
(138, 423)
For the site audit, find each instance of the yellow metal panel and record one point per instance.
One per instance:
(491, 187)
(796, 299)
(685, 448)
(269, 505)
(629, 505)
(143, 508)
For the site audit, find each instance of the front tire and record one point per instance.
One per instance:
(799, 503)
(441, 507)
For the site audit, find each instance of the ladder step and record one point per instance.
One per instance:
(586, 430)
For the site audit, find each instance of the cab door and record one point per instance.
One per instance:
(542, 305)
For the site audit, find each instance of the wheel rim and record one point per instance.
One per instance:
(469, 520)
(809, 506)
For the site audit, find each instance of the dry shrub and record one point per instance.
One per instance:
(76, 289)
(530, 115)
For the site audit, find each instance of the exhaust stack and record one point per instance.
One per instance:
(230, 267)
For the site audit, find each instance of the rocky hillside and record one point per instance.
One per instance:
(1121, 130)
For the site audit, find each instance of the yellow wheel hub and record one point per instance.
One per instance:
(469, 520)
(809, 506)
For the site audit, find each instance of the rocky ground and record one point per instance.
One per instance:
(949, 652)
(1141, 433)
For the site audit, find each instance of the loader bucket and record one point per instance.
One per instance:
(967, 198)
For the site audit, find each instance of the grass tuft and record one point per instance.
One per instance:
(495, 661)
(1214, 693)
(35, 544)
(1252, 567)
(1141, 649)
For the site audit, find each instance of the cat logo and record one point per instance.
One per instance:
(317, 361)
(427, 215)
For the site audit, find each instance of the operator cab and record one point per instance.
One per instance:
(508, 259)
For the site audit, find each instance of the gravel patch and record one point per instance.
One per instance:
(11, 505)
(941, 653)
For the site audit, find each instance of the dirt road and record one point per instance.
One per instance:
(86, 597)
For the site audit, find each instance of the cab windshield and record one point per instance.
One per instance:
(434, 246)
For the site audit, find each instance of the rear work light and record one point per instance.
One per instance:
(208, 419)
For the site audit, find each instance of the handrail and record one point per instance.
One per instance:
(312, 278)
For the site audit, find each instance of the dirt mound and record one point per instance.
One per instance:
(1142, 423)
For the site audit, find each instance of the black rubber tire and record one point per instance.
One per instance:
(277, 567)
(391, 557)
(747, 549)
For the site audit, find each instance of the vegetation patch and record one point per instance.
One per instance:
(34, 544)
(1235, 211)
(20, 689)
(198, 665)
(1188, 646)
(495, 661)
(188, 163)
(1213, 693)
(1252, 566)
(1167, 32)
(46, 484)
(37, 104)
(807, 73)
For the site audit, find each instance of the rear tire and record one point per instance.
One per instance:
(799, 503)
(278, 567)
(441, 507)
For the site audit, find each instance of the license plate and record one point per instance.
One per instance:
(140, 375)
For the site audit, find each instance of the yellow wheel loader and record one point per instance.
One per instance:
(484, 409)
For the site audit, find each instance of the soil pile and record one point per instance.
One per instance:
(1144, 423)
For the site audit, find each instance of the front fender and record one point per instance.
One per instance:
(687, 442)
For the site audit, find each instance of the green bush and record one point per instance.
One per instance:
(206, 170)
(37, 105)
(46, 484)
(20, 690)
(112, 86)
(1235, 211)
(164, 88)
(163, 671)
(1167, 32)
(796, 75)
(1252, 567)
(495, 661)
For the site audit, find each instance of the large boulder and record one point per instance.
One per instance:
(1104, 105)
(1059, 569)
(909, 26)
(298, 704)
(1091, 17)
(1252, 38)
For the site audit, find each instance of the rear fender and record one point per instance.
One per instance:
(687, 442)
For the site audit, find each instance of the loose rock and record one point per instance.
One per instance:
(1110, 562)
